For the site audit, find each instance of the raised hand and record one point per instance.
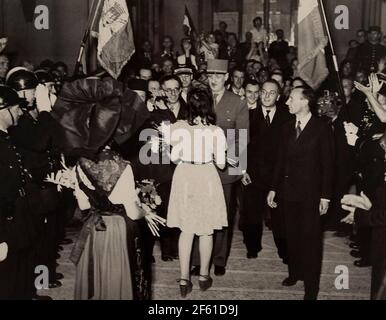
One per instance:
(381, 64)
(362, 88)
(43, 102)
(375, 84)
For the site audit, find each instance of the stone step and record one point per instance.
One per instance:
(234, 280)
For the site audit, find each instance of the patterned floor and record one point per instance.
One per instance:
(245, 279)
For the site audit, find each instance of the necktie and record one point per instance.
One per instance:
(267, 118)
(298, 129)
(215, 96)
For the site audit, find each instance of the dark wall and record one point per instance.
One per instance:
(341, 38)
(67, 22)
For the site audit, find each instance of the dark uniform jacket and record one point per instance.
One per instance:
(15, 223)
(36, 140)
(368, 56)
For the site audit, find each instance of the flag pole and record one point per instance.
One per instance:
(334, 58)
(91, 20)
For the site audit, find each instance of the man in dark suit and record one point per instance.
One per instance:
(171, 108)
(233, 117)
(302, 181)
(265, 121)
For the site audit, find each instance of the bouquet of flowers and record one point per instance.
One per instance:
(65, 177)
(149, 202)
(145, 189)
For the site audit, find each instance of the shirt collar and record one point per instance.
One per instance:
(271, 110)
(219, 95)
(304, 120)
(252, 106)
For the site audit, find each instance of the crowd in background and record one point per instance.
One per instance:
(258, 71)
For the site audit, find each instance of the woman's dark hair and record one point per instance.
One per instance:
(200, 104)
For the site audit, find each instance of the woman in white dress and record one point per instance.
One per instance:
(197, 204)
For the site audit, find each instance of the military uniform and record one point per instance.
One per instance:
(16, 228)
(368, 56)
(35, 139)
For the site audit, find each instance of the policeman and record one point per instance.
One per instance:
(370, 52)
(34, 135)
(15, 231)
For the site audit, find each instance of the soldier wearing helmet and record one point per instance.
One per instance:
(15, 231)
(34, 135)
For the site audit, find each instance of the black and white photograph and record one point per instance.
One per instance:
(204, 152)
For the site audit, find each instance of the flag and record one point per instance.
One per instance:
(28, 9)
(115, 37)
(188, 24)
(89, 57)
(312, 40)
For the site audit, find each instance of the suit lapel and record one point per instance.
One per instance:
(277, 117)
(307, 131)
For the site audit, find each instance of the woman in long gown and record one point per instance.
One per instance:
(109, 254)
(197, 203)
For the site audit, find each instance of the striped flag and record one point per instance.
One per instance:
(312, 39)
(115, 37)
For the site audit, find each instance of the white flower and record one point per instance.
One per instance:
(158, 200)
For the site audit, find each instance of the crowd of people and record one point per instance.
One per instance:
(314, 162)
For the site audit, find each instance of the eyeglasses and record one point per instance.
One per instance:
(270, 93)
(174, 91)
